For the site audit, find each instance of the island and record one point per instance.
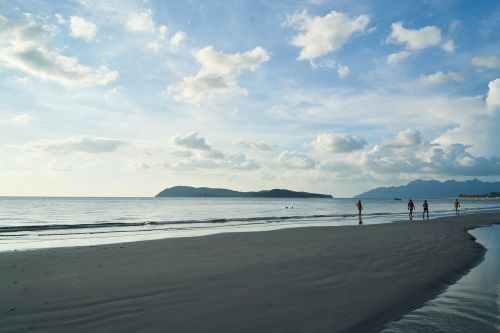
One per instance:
(207, 192)
(426, 189)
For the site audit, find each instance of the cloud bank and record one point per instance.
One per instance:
(24, 46)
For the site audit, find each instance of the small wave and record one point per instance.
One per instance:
(256, 219)
(42, 227)
(48, 227)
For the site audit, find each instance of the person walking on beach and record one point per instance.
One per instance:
(457, 206)
(426, 209)
(360, 207)
(411, 207)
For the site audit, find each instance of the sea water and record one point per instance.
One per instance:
(471, 305)
(44, 222)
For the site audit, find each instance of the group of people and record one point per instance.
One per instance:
(411, 208)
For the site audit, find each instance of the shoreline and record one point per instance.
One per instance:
(464, 306)
(331, 279)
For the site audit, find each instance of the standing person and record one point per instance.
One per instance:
(426, 209)
(411, 207)
(360, 207)
(457, 206)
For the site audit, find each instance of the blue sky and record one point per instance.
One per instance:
(129, 97)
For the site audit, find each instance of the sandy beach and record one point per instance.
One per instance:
(317, 279)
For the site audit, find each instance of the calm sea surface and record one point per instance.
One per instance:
(30, 223)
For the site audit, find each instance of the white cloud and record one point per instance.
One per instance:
(178, 38)
(239, 161)
(407, 138)
(404, 154)
(440, 77)
(193, 142)
(24, 46)
(394, 58)
(435, 160)
(295, 160)
(217, 75)
(22, 119)
(342, 70)
(407, 156)
(414, 39)
(141, 21)
(86, 144)
(493, 98)
(191, 164)
(235, 161)
(449, 46)
(259, 145)
(323, 63)
(190, 141)
(160, 41)
(456, 160)
(212, 154)
(115, 93)
(81, 28)
(382, 159)
(320, 35)
(486, 62)
(478, 131)
(59, 18)
(337, 143)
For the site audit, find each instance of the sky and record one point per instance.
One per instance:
(128, 97)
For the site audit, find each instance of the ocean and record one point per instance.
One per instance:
(43, 222)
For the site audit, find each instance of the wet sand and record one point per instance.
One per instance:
(317, 279)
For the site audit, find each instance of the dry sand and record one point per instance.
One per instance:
(318, 279)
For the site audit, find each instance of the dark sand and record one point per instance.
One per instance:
(318, 279)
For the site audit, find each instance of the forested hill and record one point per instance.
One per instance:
(187, 191)
(433, 189)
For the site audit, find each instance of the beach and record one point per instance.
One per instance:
(312, 279)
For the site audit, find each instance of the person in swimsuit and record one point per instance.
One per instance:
(360, 207)
(411, 207)
(426, 209)
(457, 206)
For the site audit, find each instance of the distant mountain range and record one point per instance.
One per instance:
(206, 192)
(422, 189)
